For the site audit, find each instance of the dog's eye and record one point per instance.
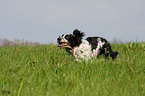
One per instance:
(66, 36)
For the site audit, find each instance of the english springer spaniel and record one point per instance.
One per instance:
(85, 49)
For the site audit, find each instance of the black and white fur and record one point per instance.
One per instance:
(85, 49)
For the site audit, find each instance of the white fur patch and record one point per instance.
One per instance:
(97, 50)
(84, 52)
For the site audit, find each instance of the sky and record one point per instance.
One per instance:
(44, 20)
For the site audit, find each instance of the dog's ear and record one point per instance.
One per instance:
(78, 35)
(72, 40)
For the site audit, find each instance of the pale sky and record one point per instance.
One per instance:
(44, 20)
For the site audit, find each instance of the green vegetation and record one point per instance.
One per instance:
(47, 70)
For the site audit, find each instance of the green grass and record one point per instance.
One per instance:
(47, 70)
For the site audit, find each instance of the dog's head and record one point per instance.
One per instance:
(70, 40)
(64, 41)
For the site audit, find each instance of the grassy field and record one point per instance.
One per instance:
(47, 70)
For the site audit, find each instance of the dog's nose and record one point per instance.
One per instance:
(59, 38)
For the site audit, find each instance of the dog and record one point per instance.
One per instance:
(85, 49)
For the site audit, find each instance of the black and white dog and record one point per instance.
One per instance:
(85, 49)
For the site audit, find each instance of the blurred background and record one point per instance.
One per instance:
(42, 21)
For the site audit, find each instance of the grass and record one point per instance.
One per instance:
(47, 70)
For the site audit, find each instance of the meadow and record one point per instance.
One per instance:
(46, 70)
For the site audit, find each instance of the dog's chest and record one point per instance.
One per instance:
(83, 51)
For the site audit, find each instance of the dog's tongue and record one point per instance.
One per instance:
(63, 44)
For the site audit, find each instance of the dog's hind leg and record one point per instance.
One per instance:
(107, 48)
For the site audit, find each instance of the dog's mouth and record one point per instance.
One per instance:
(63, 45)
